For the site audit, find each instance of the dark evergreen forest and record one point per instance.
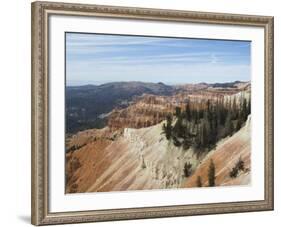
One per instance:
(202, 125)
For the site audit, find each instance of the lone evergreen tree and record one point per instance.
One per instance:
(187, 169)
(143, 165)
(199, 182)
(205, 135)
(211, 174)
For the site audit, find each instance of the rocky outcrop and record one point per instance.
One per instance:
(149, 110)
(137, 159)
(144, 159)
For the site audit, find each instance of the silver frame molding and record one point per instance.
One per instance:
(40, 192)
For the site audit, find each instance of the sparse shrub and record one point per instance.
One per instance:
(234, 172)
(187, 169)
(212, 174)
(239, 166)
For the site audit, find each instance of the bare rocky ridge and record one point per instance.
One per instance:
(138, 159)
(141, 159)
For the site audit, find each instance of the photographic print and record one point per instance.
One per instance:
(149, 113)
(156, 113)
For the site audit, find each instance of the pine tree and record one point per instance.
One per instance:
(187, 111)
(211, 174)
(234, 110)
(220, 113)
(208, 105)
(187, 142)
(179, 129)
(249, 107)
(143, 165)
(178, 112)
(214, 130)
(187, 169)
(238, 124)
(244, 110)
(196, 116)
(229, 128)
(167, 128)
(199, 181)
(203, 135)
(197, 141)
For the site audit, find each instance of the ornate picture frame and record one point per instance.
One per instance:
(41, 12)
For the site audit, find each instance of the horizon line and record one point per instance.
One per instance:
(165, 83)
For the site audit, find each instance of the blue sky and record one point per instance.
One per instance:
(97, 59)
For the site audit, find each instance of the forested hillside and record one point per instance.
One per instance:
(202, 125)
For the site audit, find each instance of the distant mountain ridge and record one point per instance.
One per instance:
(124, 85)
(87, 105)
(152, 84)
